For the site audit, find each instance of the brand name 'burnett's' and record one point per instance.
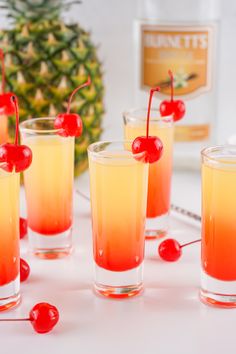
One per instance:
(185, 41)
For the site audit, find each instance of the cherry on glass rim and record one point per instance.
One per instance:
(24, 270)
(6, 105)
(43, 317)
(175, 107)
(15, 157)
(170, 250)
(70, 124)
(151, 146)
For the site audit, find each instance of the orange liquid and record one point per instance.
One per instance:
(49, 184)
(219, 222)
(3, 129)
(9, 227)
(160, 172)
(118, 195)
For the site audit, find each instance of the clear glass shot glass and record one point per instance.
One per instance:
(9, 240)
(160, 172)
(118, 185)
(49, 188)
(218, 254)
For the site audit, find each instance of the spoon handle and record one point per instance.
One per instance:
(185, 212)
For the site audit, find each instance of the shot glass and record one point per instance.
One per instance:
(218, 254)
(118, 184)
(9, 240)
(160, 172)
(49, 188)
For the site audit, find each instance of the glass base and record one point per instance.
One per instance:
(10, 294)
(50, 246)
(118, 284)
(157, 227)
(216, 292)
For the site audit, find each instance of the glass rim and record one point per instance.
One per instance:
(28, 130)
(205, 153)
(94, 153)
(128, 114)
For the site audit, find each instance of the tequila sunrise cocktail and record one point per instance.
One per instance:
(160, 172)
(49, 188)
(9, 240)
(118, 184)
(14, 158)
(218, 226)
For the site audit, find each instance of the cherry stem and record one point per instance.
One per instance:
(3, 69)
(15, 102)
(190, 243)
(87, 83)
(14, 319)
(155, 89)
(172, 85)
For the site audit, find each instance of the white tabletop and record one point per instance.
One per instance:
(166, 318)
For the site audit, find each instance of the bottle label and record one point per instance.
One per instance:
(186, 50)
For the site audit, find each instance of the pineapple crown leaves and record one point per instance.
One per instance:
(35, 10)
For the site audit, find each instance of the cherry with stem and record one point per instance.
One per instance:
(43, 317)
(70, 124)
(170, 250)
(6, 106)
(15, 157)
(151, 145)
(175, 107)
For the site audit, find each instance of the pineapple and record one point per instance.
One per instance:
(45, 60)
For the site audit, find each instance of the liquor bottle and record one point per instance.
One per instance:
(182, 36)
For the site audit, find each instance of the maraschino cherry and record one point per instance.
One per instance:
(23, 227)
(42, 316)
(152, 145)
(15, 157)
(6, 106)
(170, 249)
(175, 107)
(70, 124)
(24, 270)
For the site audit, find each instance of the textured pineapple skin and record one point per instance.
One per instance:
(45, 60)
